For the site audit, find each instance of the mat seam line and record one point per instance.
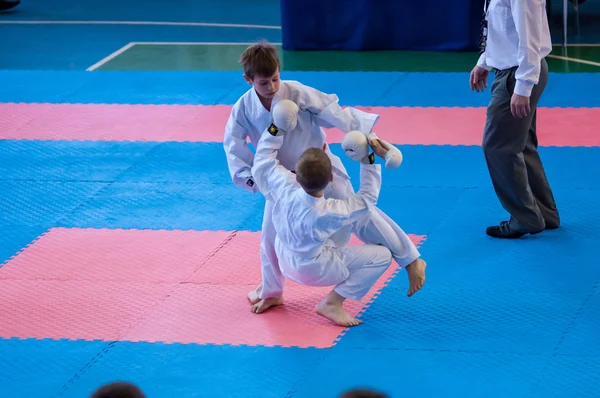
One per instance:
(61, 221)
(575, 317)
(445, 216)
(376, 294)
(226, 94)
(535, 387)
(390, 88)
(105, 349)
(114, 343)
(219, 247)
(318, 362)
(175, 286)
(25, 247)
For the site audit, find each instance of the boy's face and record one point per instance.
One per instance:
(265, 86)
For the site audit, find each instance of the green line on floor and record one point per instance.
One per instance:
(225, 57)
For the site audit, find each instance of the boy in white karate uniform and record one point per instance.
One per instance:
(250, 117)
(305, 223)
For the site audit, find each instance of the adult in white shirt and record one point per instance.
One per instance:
(517, 42)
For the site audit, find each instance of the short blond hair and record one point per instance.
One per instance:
(260, 59)
(313, 170)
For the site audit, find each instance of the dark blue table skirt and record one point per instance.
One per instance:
(358, 25)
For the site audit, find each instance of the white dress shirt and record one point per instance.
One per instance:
(518, 34)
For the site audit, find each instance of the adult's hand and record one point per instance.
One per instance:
(478, 78)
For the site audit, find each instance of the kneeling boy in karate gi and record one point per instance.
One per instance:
(306, 222)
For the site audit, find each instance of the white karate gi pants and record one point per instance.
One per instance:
(379, 229)
(366, 264)
(376, 228)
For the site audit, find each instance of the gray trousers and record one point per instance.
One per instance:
(510, 147)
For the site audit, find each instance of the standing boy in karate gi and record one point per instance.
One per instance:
(250, 117)
(305, 223)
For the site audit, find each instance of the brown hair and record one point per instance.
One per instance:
(313, 170)
(260, 59)
(119, 389)
(363, 393)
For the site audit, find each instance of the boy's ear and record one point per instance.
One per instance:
(331, 178)
(247, 79)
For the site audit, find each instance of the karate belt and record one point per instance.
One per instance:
(324, 148)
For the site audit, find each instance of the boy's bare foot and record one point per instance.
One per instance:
(416, 276)
(336, 314)
(265, 304)
(253, 295)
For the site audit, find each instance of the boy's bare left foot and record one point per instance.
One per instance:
(416, 276)
(253, 295)
(265, 304)
(336, 314)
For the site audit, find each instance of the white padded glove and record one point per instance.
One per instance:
(285, 115)
(393, 157)
(356, 146)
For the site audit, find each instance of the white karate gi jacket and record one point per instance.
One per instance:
(249, 119)
(305, 224)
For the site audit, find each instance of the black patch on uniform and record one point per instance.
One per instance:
(372, 158)
(273, 130)
(250, 182)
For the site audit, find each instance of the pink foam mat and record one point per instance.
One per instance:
(200, 123)
(142, 256)
(167, 286)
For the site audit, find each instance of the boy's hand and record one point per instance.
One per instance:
(391, 154)
(377, 148)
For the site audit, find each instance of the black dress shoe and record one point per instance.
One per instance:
(548, 226)
(503, 231)
(8, 4)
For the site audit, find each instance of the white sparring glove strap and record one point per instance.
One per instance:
(393, 157)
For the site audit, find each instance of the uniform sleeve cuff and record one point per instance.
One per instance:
(481, 62)
(523, 88)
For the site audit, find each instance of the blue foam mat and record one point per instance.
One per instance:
(167, 206)
(466, 318)
(583, 337)
(475, 305)
(15, 238)
(42, 368)
(226, 207)
(445, 166)
(190, 370)
(68, 160)
(569, 376)
(424, 374)
(464, 256)
(566, 90)
(423, 166)
(34, 203)
(479, 207)
(181, 162)
(170, 185)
